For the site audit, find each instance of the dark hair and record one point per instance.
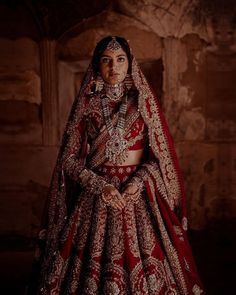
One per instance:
(102, 45)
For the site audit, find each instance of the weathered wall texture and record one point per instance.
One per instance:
(40, 77)
(201, 112)
(20, 93)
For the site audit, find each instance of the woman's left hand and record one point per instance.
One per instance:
(112, 197)
(131, 192)
(130, 189)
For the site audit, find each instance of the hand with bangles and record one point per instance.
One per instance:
(112, 197)
(133, 190)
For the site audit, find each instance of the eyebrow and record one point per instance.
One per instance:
(104, 55)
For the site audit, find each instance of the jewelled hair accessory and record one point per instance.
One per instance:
(113, 45)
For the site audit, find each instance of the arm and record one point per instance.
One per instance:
(149, 171)
(135, 185)
(74, 165)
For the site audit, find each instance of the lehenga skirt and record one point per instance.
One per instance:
(137, 250)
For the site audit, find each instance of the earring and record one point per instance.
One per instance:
(128, 81)
(99, 83)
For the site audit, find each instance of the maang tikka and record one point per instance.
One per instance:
(113, 45)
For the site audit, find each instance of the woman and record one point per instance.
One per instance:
(115, 217)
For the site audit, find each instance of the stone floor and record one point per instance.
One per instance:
(214, 250)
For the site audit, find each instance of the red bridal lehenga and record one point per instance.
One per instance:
(91, 248)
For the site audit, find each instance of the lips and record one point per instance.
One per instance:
(114, 74)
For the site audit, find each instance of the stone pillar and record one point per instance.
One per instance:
(49, 78)
(175, 63)
(171, 60)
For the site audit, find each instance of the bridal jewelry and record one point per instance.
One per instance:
(99, 84)
(117, 145)
(113, 45)
(114, 92)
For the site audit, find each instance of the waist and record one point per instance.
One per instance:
(117, 175)
(133, 158)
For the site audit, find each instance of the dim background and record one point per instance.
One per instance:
(187, 50)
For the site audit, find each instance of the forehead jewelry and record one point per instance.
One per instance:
(113, 45)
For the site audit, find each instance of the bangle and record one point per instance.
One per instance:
(138, 182)
(130, 184)
(92, 181)
(106, 198)
(84, 177)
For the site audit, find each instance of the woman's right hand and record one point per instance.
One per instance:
(112, 197)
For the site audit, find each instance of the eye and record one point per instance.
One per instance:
(121, 59)
(105, 60)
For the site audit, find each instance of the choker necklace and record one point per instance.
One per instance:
(117, 146)
(114, 92)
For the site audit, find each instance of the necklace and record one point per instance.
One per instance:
(114, 92)
(116, 147)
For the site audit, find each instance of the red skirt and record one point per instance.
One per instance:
(141, 249)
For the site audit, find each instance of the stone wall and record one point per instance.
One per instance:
(40, 78)
(187, 51)
(200, 109)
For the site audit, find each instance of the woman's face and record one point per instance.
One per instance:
(113, 66)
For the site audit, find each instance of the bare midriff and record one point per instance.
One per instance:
(134, 158)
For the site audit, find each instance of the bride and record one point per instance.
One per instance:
(115, 219)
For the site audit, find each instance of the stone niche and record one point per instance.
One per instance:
(20, 93)
(75, 49)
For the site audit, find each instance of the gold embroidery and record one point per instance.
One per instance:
(146, 235)
(115, 235)
(140, 135)
(157, 138)
(170, 250)
(97, 151)
(98, 233)
(150, 276)
(116, 279)
(91, 287)
(107, 232)
(56, 276)
(197, 290)
(179, 232)
(75, 274)
(131, 230)
(185, 223)
(154, 171)
(111, 288)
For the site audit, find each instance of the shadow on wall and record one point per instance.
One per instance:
(214, 250)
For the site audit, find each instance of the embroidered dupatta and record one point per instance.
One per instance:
(161, 176)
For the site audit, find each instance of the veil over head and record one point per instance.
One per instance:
(63, 190)
(160, 140)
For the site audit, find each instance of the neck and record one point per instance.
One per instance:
(115, 91)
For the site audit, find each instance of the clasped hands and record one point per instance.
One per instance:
(112, 197)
